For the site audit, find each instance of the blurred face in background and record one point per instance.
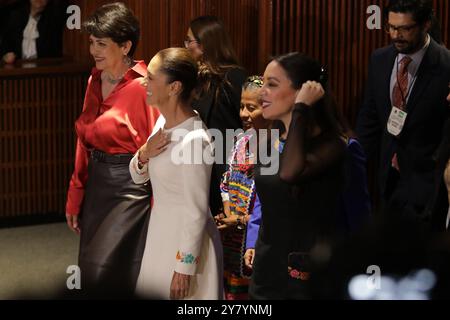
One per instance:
(37, 6)
(251, 112)
(193, 46)
(277, 93)
(406, 34)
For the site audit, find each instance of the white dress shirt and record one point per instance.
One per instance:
(30, 34)
(412, 68)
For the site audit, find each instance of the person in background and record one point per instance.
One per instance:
(402, 122)
(103, 203)
(34, 31)
(221, 79)
(239, 194)
(355, 209)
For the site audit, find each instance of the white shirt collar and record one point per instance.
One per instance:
(30, 34)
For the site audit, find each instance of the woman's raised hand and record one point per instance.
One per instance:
(310, 93)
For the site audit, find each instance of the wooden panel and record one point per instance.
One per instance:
(37, 138)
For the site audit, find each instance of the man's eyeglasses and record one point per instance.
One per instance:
(400, 29)
(187, 42)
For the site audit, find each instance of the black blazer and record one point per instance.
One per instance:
(50, 27)
(219, 109)
(427, 112)
(438, 208)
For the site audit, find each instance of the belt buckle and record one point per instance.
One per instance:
(97, 155)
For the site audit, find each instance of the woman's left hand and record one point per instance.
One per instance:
(310, 93)
(179, 288)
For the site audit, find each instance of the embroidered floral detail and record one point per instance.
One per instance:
(187, 258)
(299, 275)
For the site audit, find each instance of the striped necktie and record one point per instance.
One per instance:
(400, 92)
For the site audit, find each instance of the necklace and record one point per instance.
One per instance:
(111, 80)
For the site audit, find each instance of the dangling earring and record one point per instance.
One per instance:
(127, 60)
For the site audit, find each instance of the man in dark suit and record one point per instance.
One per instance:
(405, 108)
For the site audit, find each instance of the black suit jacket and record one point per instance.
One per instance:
(427, 112)
(219, 109)
(50, 27)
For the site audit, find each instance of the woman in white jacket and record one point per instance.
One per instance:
(183, 254)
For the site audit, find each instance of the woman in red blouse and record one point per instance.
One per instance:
(103, 205)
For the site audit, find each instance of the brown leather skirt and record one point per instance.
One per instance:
(114, 222)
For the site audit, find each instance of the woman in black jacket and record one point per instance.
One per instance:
(219, 98)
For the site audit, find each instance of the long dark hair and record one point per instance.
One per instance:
(219, 55)
(300, 68)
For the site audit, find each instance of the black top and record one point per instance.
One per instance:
(299, 204)
(50, 28)
(219, 109)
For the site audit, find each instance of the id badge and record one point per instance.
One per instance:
(396, 121)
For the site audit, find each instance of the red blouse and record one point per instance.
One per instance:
(120, 124)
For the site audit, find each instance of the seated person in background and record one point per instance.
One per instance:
(33, 31)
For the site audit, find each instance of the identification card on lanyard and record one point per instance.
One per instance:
(396, 121)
